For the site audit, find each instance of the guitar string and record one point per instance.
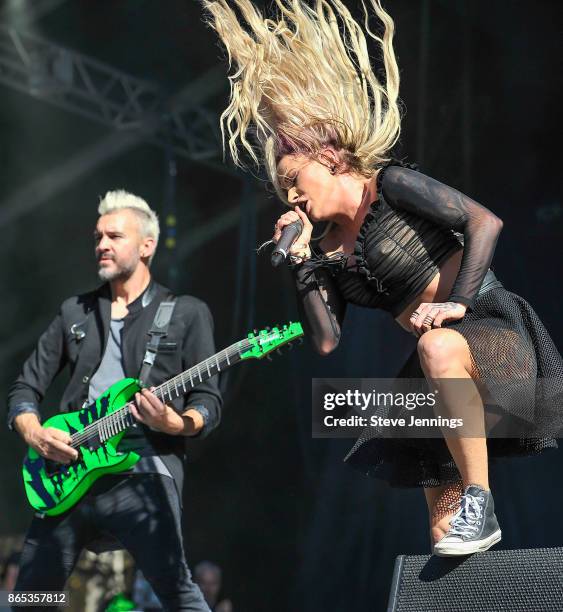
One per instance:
(122, 416)
(159, 391)
(111, 420)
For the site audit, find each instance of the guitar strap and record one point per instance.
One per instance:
(158, 330)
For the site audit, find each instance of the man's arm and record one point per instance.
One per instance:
(203, 404)
(37, 373)
(28, 390)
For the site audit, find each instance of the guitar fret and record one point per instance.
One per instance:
(207, 365)
(227, 356)
(199, 373)
(217, 362)
(191, 381)
(183, 382)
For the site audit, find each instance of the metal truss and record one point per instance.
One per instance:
(99, 92)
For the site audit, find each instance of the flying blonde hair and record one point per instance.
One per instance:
(303, 81)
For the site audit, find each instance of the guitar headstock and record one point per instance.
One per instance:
(267, 340)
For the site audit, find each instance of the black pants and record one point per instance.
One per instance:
(142, 512)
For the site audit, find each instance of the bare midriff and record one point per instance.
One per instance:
(437, 290)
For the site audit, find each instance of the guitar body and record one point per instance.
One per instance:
(52, 488)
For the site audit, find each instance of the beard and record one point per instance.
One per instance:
(120, 271)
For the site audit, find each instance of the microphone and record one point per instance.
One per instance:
(289, 235)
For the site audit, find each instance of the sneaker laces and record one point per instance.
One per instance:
(465, 520)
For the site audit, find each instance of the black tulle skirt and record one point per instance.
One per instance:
(508, 342)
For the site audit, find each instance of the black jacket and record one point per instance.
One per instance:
(77, 338)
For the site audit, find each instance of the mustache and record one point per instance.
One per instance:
(105, 256)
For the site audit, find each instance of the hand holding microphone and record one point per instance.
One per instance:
(292, 236)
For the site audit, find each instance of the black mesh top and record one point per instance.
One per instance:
(407, 234)
(413, 227)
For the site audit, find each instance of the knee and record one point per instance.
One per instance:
(438, 350)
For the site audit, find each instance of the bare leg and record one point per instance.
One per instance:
(444, 354)
(469, 453)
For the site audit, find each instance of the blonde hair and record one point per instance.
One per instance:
(120, 199)
(303, 82)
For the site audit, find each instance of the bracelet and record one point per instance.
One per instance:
(305, 254)
(296, 259)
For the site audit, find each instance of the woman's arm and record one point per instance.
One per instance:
(321, 307)
(419, 194)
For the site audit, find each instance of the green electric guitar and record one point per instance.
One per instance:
(96, 430)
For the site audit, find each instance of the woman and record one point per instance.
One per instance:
(306, 103)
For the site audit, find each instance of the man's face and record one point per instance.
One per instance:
(209, 582)
(119, 245)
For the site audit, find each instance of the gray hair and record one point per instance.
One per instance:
(120, 199)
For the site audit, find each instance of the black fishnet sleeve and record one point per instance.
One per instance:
(424, 196)
(321, 307)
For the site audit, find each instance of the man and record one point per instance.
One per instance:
(102, 336)
(209, 577)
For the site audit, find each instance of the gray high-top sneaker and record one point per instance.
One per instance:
(474, 527)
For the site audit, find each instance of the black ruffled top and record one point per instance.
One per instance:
(397, 253)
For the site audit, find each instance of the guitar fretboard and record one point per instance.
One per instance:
(121, 419)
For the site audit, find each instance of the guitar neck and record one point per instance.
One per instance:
(121, 419)
(186, 381)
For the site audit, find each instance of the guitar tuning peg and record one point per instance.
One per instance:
(269, 357)
(300, 340)
(268, 328)
(279, 351)
(290, 346)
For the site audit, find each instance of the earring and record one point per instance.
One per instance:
(332, 169)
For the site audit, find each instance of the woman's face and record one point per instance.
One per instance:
(310, 185)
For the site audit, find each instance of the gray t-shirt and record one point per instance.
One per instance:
(109, 372)
(110, 369)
